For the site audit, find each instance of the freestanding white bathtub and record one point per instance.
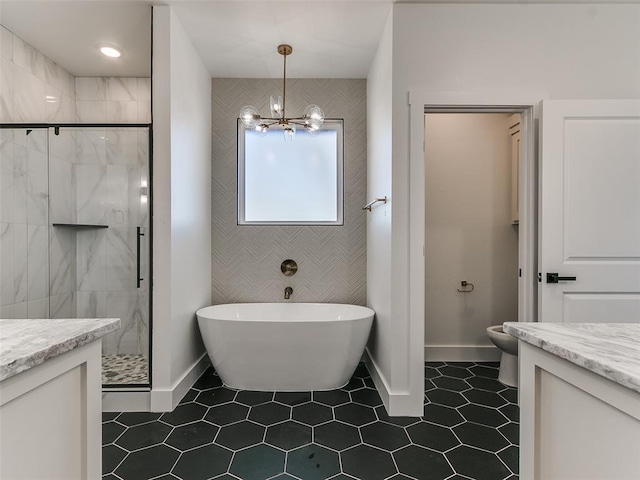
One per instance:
(285, 347)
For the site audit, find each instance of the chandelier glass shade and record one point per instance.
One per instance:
(311, 120)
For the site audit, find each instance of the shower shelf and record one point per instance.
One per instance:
(78, 225)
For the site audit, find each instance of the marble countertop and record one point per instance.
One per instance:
(25, 344)
(611, 350)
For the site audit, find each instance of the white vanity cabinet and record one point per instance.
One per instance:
(579, 401)
(50, 398)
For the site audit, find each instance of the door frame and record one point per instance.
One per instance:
(503, 101)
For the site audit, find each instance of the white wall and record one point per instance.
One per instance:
(568, 51)
(182, 208)
(388, 345)
(573, 51)
(469, 235)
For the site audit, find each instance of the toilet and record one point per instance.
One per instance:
(509, 361)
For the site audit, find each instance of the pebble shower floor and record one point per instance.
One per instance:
(469, 430)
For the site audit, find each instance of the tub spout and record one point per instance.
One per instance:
(287, 293)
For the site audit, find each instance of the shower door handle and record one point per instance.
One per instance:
(138, 235)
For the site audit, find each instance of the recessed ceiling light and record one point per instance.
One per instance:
(110, 51)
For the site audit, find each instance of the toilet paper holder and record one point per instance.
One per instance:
(468, 287)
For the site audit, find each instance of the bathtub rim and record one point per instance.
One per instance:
(366, 312)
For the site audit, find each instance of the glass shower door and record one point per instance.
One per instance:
(99, 239)
(24, 253)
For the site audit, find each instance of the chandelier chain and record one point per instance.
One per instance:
(284, 86)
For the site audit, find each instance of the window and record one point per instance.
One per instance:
(291, 183)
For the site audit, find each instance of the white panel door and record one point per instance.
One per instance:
(590, 211)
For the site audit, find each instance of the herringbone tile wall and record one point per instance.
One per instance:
(332, 260)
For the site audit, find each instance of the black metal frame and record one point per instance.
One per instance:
(56, 127)
(240, 128)
(75, 125)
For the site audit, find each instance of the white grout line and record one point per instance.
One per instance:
(349, 394)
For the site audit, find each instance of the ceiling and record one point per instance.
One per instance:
(236, 39)
(69, 33)
(330, 39)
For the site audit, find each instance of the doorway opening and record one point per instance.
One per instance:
(471, 231)
(525, 104)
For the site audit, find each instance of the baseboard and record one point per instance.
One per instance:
(165, 400)
(461, 353)
(189, 378)
(125, 401)
(397, 404)
(377, 377)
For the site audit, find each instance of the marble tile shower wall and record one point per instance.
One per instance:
(33, 87)
(88, 176)
(24, 261)
(111, 166)
(93, 270)
(113, 100)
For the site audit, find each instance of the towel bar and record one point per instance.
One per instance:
(372, 202)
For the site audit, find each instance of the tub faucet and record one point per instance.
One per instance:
(287, 293)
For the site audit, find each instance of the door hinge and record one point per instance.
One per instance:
(520, 272)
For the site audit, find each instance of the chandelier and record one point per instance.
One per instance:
(311, 120)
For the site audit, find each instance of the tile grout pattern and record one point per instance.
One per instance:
(332, 261)
(469, 430)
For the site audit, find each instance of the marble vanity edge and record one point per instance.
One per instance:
(536, 334)
(25, 360)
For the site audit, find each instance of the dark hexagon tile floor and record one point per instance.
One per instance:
(469, 430)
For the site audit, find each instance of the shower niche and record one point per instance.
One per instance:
(80, 233)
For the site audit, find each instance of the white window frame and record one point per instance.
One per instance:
(336, 125)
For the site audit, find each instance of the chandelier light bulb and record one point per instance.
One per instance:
(262, 129)
(249, 116)
(311, 119)
(275, 104)
(289, 132)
